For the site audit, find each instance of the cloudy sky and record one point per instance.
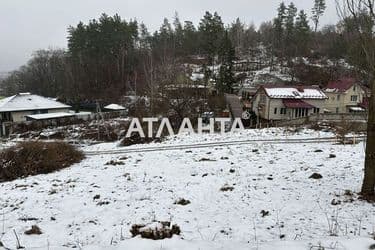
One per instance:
(29, 25)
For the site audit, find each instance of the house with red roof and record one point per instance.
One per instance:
(275, 103)
(346, 95)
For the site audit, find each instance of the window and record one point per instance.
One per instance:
(283, 111)
(296, 93)
(316, 110)
(337, 110)
(275, 112)
(354, 88)
(353, 98)
(338, 97)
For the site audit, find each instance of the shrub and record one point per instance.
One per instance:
(36, 157)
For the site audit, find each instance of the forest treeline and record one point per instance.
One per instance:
(110, 56)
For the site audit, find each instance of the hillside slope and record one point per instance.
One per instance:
(242, 197)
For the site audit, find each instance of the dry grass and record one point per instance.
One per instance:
(33, 158)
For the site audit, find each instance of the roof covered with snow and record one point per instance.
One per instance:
(114, 106)
(298, 92)
(27, 101)
(50, 116)
(196, 76)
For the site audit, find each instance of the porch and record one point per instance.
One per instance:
(296, 108)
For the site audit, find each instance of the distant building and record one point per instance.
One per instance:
(114, 107)
(346, 95)
(26, 106)
(274, 103)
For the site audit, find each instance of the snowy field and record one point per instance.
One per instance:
(269, 203)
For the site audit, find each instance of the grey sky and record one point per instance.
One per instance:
(29, 25)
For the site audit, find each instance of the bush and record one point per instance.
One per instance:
(33, 158)
(135, 138)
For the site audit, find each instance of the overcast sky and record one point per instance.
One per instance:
(29, 25)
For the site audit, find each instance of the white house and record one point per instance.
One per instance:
(274, 103)
(26, 106)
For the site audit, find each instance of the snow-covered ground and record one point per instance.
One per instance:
(5, 144)
(273, 204)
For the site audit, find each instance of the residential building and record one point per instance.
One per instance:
(26, 106)
(345, 95)
(114, 107)
(274, 103)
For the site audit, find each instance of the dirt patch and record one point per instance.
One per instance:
(137, 139)
(101, 131)
(115, 163)
(182, 202)
(157, 230)
(316, 176)
(35, 230)
(206, 159)
(226, 188)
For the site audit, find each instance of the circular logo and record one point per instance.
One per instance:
(246, 115)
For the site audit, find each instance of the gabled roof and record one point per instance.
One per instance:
(294, 92)
(27, 101)
(341, 85)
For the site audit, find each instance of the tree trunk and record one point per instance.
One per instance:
(368, 187)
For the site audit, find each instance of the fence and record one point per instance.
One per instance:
(334, 118)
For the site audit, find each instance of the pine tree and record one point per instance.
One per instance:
(318, 11)
(226, 57)
(144, 37)
(237, 34)
(190, 37)
(302, 34)
(211, 29)
(289, 30)
(278, 29)
(178, 35)
(289, 22)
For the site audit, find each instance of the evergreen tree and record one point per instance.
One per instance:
(102, 55)
(289, 22)
(211, 29)
(302, 34)
(289, 30)
(278, 30)
(190, 37)
(144, 37)
(318, 11)
(178, 35)
(226, 79)
(237, 34)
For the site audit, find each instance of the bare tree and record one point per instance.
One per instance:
(361, 13)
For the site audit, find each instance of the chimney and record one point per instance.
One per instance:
(300, 88)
